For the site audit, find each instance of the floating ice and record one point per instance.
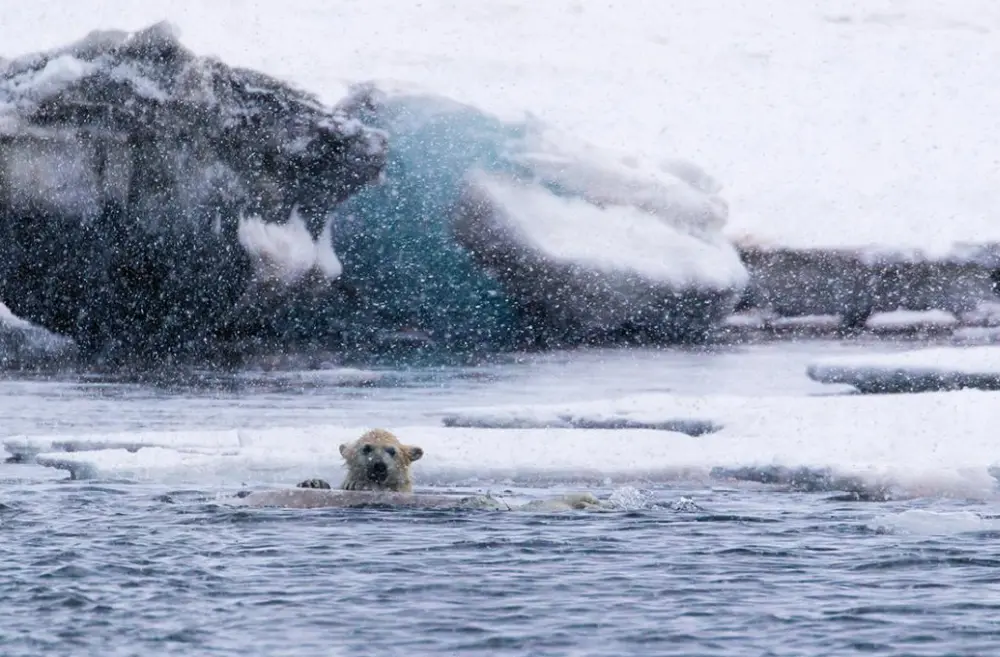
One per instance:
(291, 454)
(921, 522)
(873, 447)
(901, 320)
(941, 368)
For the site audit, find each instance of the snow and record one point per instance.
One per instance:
(58, 73)
(55, 172)
(23, 343)
(211, 440)
(939, 368)
(852, 124)
(937, 443)
(613, 238)
(10, 320)
(287, 252)
(900, 319)
(677, 192)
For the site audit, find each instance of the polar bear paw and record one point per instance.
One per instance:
(314, 483)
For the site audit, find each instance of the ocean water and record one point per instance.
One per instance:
(140, 567)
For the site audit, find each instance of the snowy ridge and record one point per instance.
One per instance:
(135, 60)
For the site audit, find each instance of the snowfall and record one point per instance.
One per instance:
(851, 123)
(855, 124)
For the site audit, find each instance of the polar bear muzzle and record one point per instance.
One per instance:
(378, 471)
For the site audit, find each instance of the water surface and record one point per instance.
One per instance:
(130, 568)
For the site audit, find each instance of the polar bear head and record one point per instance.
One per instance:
(378, 461)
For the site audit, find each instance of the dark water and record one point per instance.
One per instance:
(127, 568)
(92, 569)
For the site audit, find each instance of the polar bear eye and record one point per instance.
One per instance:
(367, 449)
(391, 451)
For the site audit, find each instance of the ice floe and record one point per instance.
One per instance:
(870, 446)
(921, 370)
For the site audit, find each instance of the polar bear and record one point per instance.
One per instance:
(376, 461)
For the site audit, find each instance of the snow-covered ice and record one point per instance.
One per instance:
(856, 123)
(287, 252)
(939, 368)
(910, 319)
(24, 344)
(615, 238)
(938, 443)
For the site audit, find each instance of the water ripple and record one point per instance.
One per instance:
(108, 569)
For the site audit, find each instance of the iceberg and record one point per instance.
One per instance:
(163, 204)
(156, 201)
(860, 179)
(508, 233)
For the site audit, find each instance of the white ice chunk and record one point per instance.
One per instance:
(940, 368)
(613, 238)
(903, 319)
(943, 442)
(23, 343)
(286, 252)
(922, 522)
(10, 320)
(58, 73)
(937, 443)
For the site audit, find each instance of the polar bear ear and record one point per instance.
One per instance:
(414, 453)
(345, 450)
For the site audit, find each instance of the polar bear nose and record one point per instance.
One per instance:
(378, 471)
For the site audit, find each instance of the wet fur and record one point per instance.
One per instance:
(376, 461)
